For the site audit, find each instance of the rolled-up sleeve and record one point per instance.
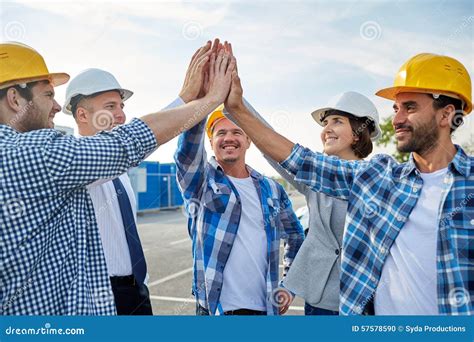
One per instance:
(327, 174)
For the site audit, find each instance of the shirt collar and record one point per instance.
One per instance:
(5, 129)
(461, 163)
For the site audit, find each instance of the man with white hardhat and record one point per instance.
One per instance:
(96, 100)
(52, 259)
(407, 248)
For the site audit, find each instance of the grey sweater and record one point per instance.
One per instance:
(314, 274)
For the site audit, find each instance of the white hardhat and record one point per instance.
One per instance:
(92, 81)
(352, 103)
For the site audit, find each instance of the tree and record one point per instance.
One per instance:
(388, 138)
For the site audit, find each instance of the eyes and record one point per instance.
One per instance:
(409, 107)
(335, 121)
(112, 106)
(222, 133)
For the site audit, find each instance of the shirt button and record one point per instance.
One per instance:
(373, 279)
(382, 250)
(415, 190)
(472, 222)
(399, 218)
(218, 289)
(337, 251)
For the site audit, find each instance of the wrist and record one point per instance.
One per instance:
(185, 97)
(238, 109)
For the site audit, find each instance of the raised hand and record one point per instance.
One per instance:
(234, 102)
(220, 75)
(194, 80)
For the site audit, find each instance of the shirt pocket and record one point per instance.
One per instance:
(462, 233)
(217, 197)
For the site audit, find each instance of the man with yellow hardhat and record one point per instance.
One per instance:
(25, 82)
(407, 246)
(236, 219)
(52, 257)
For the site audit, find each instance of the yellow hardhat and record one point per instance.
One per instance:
(216, 116)
(433, 74)
(20, 63)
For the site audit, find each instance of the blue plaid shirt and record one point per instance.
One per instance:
(214, 208)
(381, 194)
(52, 261)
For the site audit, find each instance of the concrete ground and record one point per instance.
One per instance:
(167, 248)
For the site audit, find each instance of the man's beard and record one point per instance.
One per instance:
(230, 159)
(423, 138)
(28, 119)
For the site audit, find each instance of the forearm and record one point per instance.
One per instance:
(265, 138)
(169, 123)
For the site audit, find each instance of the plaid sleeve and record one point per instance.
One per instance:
(330, 175)
(191, 161)
(292, 230)
(74, 162)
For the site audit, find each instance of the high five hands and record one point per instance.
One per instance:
(213, 72)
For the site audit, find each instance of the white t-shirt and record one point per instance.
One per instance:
(408, 284)
(244, 280)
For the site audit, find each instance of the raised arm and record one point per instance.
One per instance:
(321, 173)
(169, 123)
(74, 162)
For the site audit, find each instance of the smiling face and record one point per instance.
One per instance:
(416, 123)
(229, 142)
(337, 136)
(100, 113)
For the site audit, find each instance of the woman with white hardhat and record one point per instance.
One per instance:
(350, 124)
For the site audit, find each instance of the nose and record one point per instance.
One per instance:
(120, 116)
(56, 107)
(327, 129)
(399, 118)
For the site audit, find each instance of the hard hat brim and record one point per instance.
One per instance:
(126, 94)
(375, 135)
(56, 79)
(392, 92)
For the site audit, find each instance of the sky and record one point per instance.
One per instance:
(293, 56)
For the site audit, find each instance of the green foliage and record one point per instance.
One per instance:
(388, 139)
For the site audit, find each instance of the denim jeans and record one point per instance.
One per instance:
(314, 311)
